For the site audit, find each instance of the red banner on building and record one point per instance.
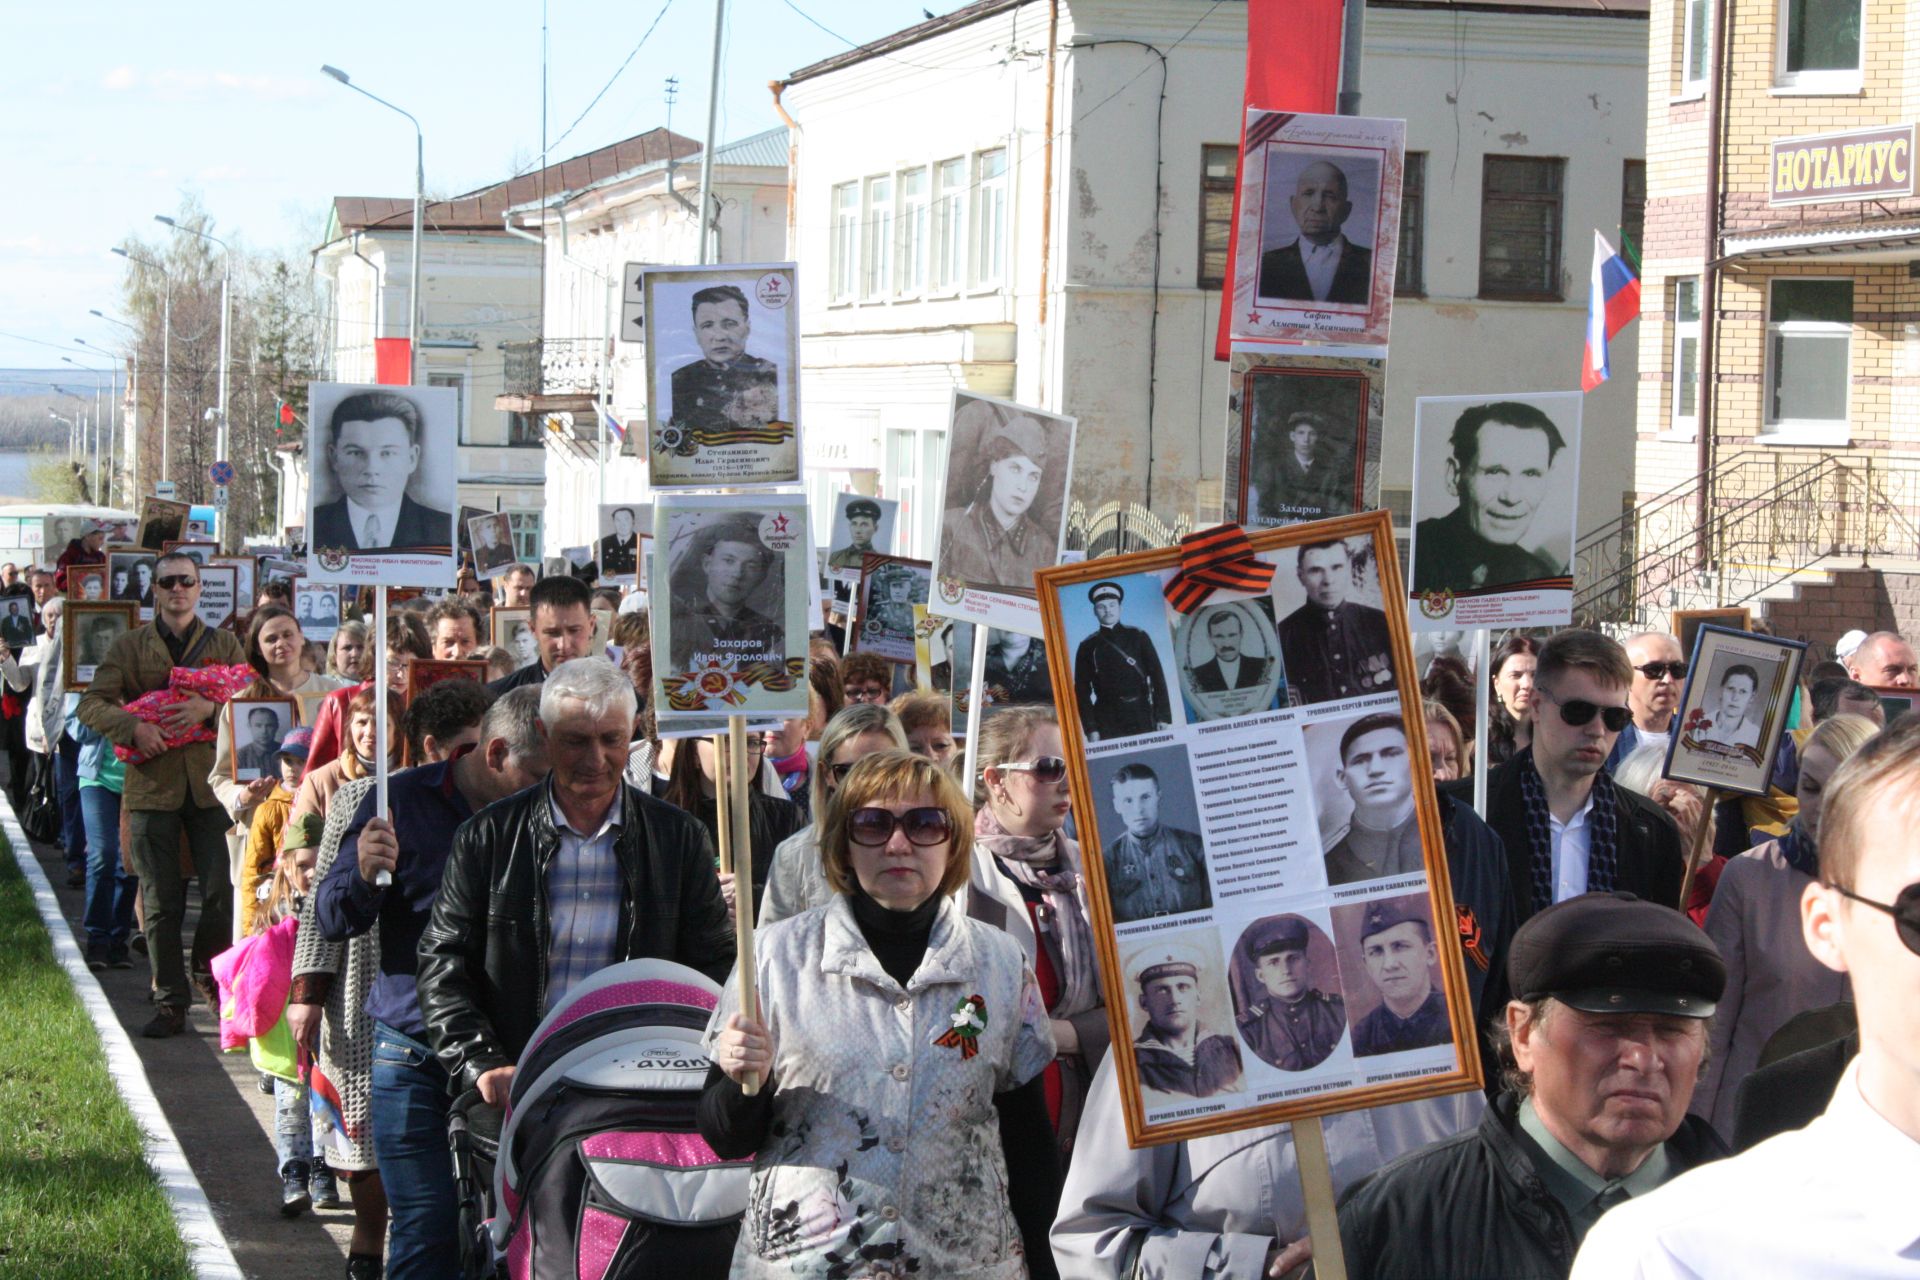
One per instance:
(1293, 64)
(392, 362)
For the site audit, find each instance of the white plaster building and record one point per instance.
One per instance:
(973, 212)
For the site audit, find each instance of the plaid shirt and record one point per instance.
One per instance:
(583, 897)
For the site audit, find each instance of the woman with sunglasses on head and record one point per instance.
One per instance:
(797, 881)
(691, 786)
(1755, 921)
(1027, 880)
(899, 1126)
(1509, 720)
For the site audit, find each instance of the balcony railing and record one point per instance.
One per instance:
(552, 367)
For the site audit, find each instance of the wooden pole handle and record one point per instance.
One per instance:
(1316, 1186)
(741, 833)
(1697, 843)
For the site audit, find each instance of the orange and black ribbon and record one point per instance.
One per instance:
(1216, 559)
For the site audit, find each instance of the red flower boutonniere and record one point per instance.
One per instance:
(966, 1022)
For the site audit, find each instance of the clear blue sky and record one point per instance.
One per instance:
(110, 110)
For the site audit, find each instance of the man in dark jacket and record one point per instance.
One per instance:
(560, 615)
(554, 883)
(1607, 1034)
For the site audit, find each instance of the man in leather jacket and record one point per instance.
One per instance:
(1607, 1034)
(560, 880)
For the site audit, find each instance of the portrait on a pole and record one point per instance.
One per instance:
(258, 726)
(890, 586)
(729, 605)
(512, 629)
(623, 527)
(491, 537)
(1286, 783)
(316, 607)
(1303, 437)
(1734, 709)
(1319, 228)
(385, 484)
(87, 630)
(1496, 487)
(87, 582)
(723, 361)
(219, 602)
(130, 578)
(861, 526)
(1004, 510)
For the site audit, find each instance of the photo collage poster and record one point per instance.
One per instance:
(1266, 875)
(385, 485)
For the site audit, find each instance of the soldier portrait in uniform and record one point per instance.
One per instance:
(860, 525)
(1371, 791)
(1176, 1003)
(721, 357)
(1017, 669)
(1155, 860)
(725, 567)
(1119, 671)
(1229, 656)
(1005, 500)
(1287, 1001)
(88, 629)
(618, 546)
(1303, 435)
(1494, 493)
(491, 537)
(1395, 990)
(1333, 645)
(884, 624)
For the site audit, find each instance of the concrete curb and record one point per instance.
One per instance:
(207, 1249)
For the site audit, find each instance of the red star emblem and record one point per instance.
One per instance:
(1253, 317)
(780, 523)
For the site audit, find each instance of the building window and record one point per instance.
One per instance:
(1218, 165)
(1809, 333)
(526, 535)
(910, 243)
(876, 250)
(1696, 42)
(949, 266)
(458, 381)
(1410, 272)
(1520, 215)
(845, 250)
(911, 474)
(1633, 209)
(987, 260)
(1686, 354)
(1819, 44)
(523, 431)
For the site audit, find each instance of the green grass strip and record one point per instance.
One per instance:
(77, 1197)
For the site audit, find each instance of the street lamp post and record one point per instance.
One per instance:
(115, 455)
(95, 424)
(226, 313)
(419, 216)
(166, 371)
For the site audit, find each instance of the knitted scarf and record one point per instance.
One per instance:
(1801, 853)
(1051, 865)
(1602, 821)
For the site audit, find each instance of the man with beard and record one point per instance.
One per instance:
(1174, 1053)
(1397, 947)
(704, 388)
(1228, 668)
(1377, 770)
(1294, 1025)
(1117, 678)
(1330, 647)
(1154, 869)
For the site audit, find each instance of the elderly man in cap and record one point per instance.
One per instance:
(1174, 1053)
(863, 520)
(1152, 869)
(733, 562)
(1607, 1034)
(991, 542)
(1294, 1025)
(1398, 950)
(1117, 677)
(1384, 838)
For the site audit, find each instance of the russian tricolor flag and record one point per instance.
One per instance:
(620, 432)
(1613, 299)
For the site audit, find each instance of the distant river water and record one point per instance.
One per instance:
(14, 464)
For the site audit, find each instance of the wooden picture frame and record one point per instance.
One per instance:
(424, 673)
(1686, 623)
(79, 575)
(244, 581)
(1265, 853)
(77, 623)
(202, 550)
(253, 757)
(1758, 676)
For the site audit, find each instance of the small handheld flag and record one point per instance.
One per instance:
(613, 425)
(1612, 300)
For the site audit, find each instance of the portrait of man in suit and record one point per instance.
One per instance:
(373, 450)
(1229, 668)
(1321, 264)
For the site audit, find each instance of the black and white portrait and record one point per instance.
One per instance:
(617, 550)
(861, 525)
(130, 577)
(245, 569)
(1495, 498)
(1229, 659)
(1390, 957)
(16, 622)
(1006, 495)
(1287, 1000)
(88, 630)
(1318, 225)
(722, 351)
(161, 521)
(259, 726)
(884, 623)
(385, 480)
(1123, 656)
(1733, 710)
(491, 537)
(512, 630)
(1149, 824)
(1363, 779)
(1305, 434)
(1017, 669)
(1176, 1002)
(198, 552)
(1334, 640)
(316, 606)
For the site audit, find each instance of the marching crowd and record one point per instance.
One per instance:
(538, 830)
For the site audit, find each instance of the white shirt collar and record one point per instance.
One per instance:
(1860, 1138)
(389, 515)
(1577, 821)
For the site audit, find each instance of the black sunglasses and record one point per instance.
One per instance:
(1578, 711)
(173, 580)
(1905, 912)
(841, 770)
(1048, 770)
(923, 826)
(1660, 670)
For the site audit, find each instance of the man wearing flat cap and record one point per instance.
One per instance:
(1293, 1025)
(1174, 1053)
(732, 562)
(1605, 1038)
(1397, 947)
(1305, 481)
(991, 543)
(863, 520)
(1117, 677)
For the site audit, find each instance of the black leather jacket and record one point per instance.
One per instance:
(1473, 1208)
(483, 958)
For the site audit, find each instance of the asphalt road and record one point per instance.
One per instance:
(224, 1123)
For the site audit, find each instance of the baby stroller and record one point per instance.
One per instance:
(596, 1172)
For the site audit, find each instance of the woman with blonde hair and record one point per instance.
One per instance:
(1026, 879)
(1755, 921)
(797, 881)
